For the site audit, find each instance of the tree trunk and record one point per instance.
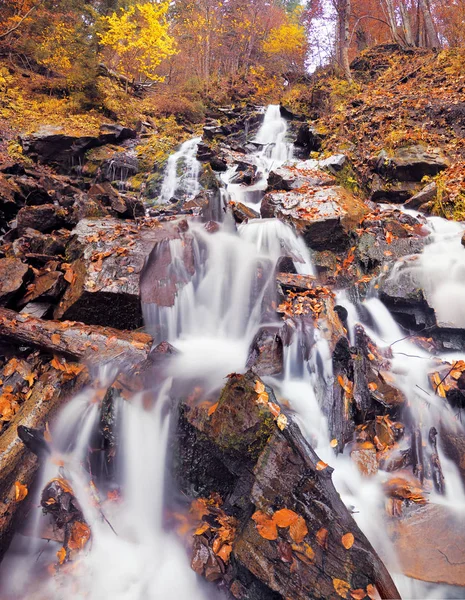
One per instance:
(391, 16)
(343, 10)
(407, 25)
(432, 39)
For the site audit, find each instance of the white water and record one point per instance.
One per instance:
(181, 178)
(212, 323)
(273, 153)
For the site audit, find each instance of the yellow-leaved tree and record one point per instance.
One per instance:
(286, 46)
(136, 40)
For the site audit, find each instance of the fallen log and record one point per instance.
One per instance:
(74, 340)
(18, 465)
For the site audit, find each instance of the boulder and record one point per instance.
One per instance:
(118, 205)
(420, 200)
(288, 529)
(307, 141)
(11, 200)
(44, 218)
(334, 164)
(430, 544)
(119, 167)
(411, 163)
(104, 277)
(304, 173)
(325, 217)
(242, 213)
(266, 353)
(13, 274)
(392, 192)
(67, 151)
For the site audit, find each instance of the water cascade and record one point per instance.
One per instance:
(133, 555)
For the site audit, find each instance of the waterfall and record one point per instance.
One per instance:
(181, 177)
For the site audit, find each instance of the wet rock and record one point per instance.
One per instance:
(430, 543)
(119, 205)
(364, 456)
(104, 288)
(266, 353)
(325, 217)
(44, 218)
(39, 247)
(13, 274)
(304, 174)
(119, 167)
(392, 192)
(242, 213)
(11, 200)
(452, 442)
(217, 164)
(46, 287)
(411, 163)
(259, 469)
(423, 198)
(403, 295)
(307, 141)
(66, 151)
(245, 174)
(294, 282)
(334, 164)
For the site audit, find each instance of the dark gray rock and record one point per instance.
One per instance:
(411, 163)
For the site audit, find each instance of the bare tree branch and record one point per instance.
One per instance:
(3, 35)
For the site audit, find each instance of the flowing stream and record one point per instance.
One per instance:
(133, 554)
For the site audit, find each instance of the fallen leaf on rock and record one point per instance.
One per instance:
(80, 535)
(372, 592)
(266, 527)
(305, 552)
(333, 443)
(321, 466)
(348, 540)
(259, 387)
(61, 555)
(358, 594)
(341, 587)
(20, 491)
(212, 409)
(281, 422)
(275, 410)
(285, 517)
(56, 339)
(262, 398)
(202, 529)
(298, 530)
(372, 386)
(224, 552)
(322, 537)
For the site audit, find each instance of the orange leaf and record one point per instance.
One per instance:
(372, 386)
(262, 398)
(61, 555)
(265, 526)
(285, 517)
(274, 409)
(348, 540)
(333, 443)
(80, 535)
(56, 339)
(64, 484)
(202, 529)
(321, 466)
(212, 409)
(341, 587)
(358, 594)
(69, 276)
(259, 387)
(20, 491)
(389, 237)
(372, 592)
(224, 552)
(322, 537)
(47, 434)
(298, 530)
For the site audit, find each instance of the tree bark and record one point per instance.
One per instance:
(432, 39)
(407, 25)
(75, 340)
(343, 11)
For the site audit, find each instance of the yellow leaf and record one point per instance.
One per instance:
(61, 555)
(274, 409)
(266, 527)
(333, 443)
(262, 398)
(348, 540)
(202, 529)
(20, 491)
(80, 534)
(341, 587)
(281, 421)
(372, 386)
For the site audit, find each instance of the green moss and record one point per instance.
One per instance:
(347, 179)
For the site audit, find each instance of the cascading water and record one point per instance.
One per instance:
(273, 151)
(215, 316)
(181, 178)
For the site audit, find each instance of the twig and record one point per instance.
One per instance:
(2, 35)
